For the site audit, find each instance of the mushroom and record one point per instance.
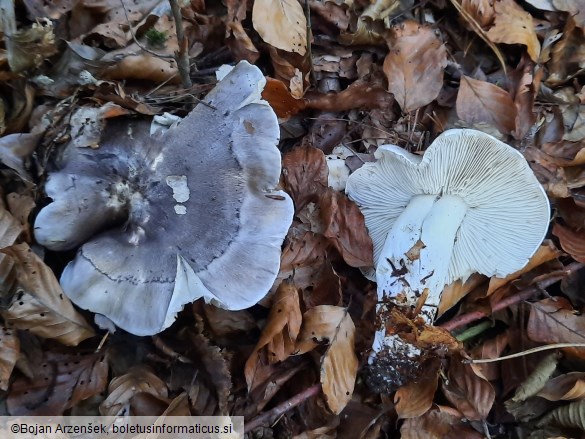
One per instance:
(167, 219)
(470, 204)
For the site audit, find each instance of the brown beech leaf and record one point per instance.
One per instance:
(440, 423)
(513, 25)
(415, 399)
(332, 325)
(491, 348)
(304, 175)
(565, 387)
(345, 227)
(10, 348)
(278, 338)
(123, 389)
(360, 94)
(280, 99)
(571, 241)
(60, 383)
(468, 391)
(416, 57)
(482, 102)
(41, 306)
(571, 415)
(282, 24)
(555, 321)
(456, 291)
(10, 228)
(21, 206)
(546, 252)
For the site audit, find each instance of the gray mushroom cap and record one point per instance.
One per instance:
(506, 215)
(192, 213)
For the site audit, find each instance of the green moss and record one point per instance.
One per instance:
(156, 38)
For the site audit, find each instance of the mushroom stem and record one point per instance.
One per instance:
(415, 259)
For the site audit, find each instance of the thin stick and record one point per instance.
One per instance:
(522, 295)
(268, 417)
(527, 352)
(182, 55)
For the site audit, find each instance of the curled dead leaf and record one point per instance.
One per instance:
(282, 24)
(416, 398)
(10, 348)
(566, 387)
(572, 241)
(332, 325)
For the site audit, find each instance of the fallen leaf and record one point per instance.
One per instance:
(491, 348)
(482, 11)
(282, 24)
(332, 325)
(344, 225)
(277, 341)
(468, 391)
(571, 415)
(416, 57)
(359, 95)
(280, 99)
(41, 306)
(534, 382)
(10, 348)
(439, 423)
(416, 398)
(513, 25)
(571, 241)
(10, 229)
(60, 382)
(555, 321)
(566, 387)
(482, 102)
(123, 388)
(456, 291)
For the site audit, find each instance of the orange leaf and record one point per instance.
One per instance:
(280, 99)
(482, 102)
(567, 387)
(416, 57)
(513, 25)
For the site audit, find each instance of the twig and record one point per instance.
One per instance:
(527, 352)
(522, 295)
(182, 55)
(269, 416)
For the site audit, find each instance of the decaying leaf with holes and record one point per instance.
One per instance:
(332, 326)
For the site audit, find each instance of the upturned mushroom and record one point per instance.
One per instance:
(470, 204)
(165, 220)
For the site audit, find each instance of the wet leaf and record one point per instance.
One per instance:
(482, 102)
(60, 382)
(416, 57)
(41, 306)
(278, 338)
(513, 25)
(123, 389)
(332, 325)
(282, 24)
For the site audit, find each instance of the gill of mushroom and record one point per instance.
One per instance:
(166, 219)
(470, 204)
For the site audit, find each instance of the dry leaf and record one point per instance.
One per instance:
(546, 252)
(491, 348)
(571, 241)
(456, 291)
(41, 306)
(415, 399)
(10, 348)
(61, 382)
(482, 11)
(513, 25)
(468, 391)
(535, 381)
(481, 102)
(441, 423)
(555, 321)
(277, 341)
(122, 389)
(345, 227)
(565, 387)
(280, 99)
(10, 228)
(416, 57)
(571, 415)
(282, 24)
(332, 325)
